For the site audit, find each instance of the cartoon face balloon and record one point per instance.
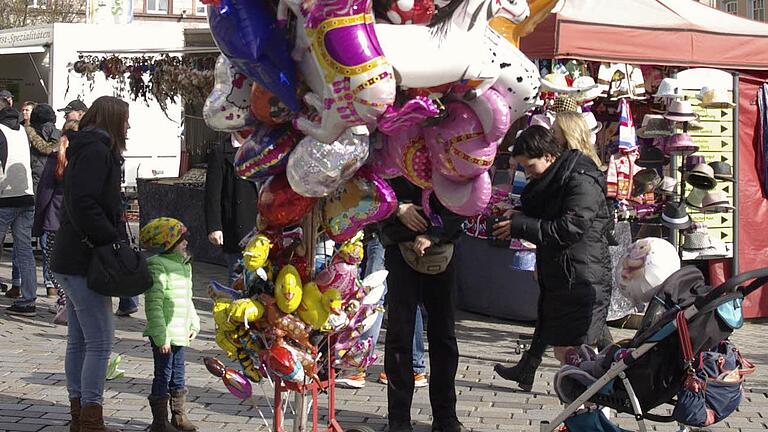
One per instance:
(256, 252)
(364, 199)
(279, 206)
(340, 276)
(268, 108)
(466, 199)
(288, 289)
(227, 107)
(265, 152)
(246, 31)
(316, 169)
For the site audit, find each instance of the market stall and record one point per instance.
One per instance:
(674, 35)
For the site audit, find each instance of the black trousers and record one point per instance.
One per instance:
(406, 289)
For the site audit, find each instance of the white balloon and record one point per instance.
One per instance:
(228, 106)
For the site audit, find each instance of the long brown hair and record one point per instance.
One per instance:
(110, 114)
(61, 158)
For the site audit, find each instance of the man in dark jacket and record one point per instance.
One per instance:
(411, 228)
(230, 202)
(17, 204)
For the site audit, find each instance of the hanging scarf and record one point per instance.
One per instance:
(627, 138)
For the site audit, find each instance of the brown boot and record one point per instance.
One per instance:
(74, 412)
(92, 419)
(159, 407)
(178, 413)
(14, 292)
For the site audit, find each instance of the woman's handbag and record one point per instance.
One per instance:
(117, 269)
(434, 261)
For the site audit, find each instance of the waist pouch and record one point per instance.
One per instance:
(435, 260)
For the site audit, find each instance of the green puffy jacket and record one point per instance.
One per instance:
(171, 315)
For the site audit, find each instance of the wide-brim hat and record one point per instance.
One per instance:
(680, 111)
(651, 157)
(675, 216)
(691, 161)
(668, 186)
(695, 198)
(716, 201)
(715, 98)
(644, 181)
(701, 176)
(680, 143)
(592, 123)
(654, 125)
(585, 89)
(669, 88)
(723, 170)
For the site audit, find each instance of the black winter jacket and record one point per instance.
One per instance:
(565, 214)
(230, 202)
(91, 201)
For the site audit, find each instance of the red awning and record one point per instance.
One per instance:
(662, 32)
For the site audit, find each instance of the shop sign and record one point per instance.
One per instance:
(714, 144)
(30, 36)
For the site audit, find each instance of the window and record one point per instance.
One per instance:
(200, 9)
(731, 6)
(157, 6)
(37, 3)
(757, 10)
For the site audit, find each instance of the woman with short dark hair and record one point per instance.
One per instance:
(90, 216)
(565, 215)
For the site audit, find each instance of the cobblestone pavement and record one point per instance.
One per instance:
(33, 394)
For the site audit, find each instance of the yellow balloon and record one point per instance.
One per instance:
(256, 252)
(311, 310)
(513, 32)
(288, 290)
(246, 311)
(221, 315)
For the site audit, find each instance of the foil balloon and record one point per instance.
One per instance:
(246, 31)
(268, 108)
(246, 311)
(519, 80)
(338, 275)
(256, 252)
(315, 308)
(227, 107)
(220, 314)
(411, 12)
(237, 384)
(364, 199)
(359, 81)
(290, 324)
(265, 152)
(457, 145)
(352, 251)
(493, 112)
(288, 289)
(412, 113)
(279, 206)
(383, 163)
(218, 291)
(409, 151)
(374, 287)
(465, 199)
(316, 169)
(283, 363)
(359, 357)
(214, 366)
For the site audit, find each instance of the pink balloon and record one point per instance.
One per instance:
(466, 199)
(408, 150)
(365, 199)
(339, 275)
(493, 112)
(237, 384)
(457, 145)
(382, 163)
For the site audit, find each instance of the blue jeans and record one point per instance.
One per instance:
(90, 335)
(374, 261)
(169, 370)
(232, 261)
(19, 220)
(128, 303)
(15, 273)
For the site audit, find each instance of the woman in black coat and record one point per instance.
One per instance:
(565, 214)
(90, 215)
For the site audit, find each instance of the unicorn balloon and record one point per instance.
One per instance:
(358, 82)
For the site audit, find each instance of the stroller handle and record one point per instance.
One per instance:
(760, 277)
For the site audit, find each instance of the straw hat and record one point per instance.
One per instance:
(654, 125)
(564, 104)
(555, 82)
(585, 89)
(680, 111)
(715, 98)
(716, 201)
(592, 123)
(702, 176)
(696, 237)
(669, 88)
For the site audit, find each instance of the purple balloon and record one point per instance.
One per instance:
(265, 152)
(237, 384)
(466, 199)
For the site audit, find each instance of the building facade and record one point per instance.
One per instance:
(752, 9)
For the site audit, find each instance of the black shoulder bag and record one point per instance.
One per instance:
(117, 269)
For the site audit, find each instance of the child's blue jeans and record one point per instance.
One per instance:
(169, 370)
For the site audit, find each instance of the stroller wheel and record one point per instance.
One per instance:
(359, 429)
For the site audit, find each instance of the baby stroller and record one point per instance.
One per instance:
(658, 366)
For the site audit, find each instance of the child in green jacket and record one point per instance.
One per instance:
(172, 321)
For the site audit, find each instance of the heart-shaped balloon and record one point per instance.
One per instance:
(366, 198)
(237, 383)
(409, 151)
(457, 145)
(227, 108)
(279, 206)
(338, 275)
(493, 112)
(316, 169)
(246, 31)
(265, 152)
(215, 366)
(268, 108)
(466, 199)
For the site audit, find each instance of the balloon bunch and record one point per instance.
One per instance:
(274, 317)
(342, 95)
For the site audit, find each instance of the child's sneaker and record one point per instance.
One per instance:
(351, 380)
(419, 379)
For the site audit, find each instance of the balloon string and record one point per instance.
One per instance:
(261, 414)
